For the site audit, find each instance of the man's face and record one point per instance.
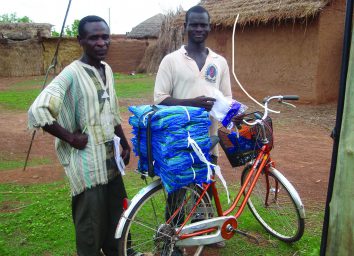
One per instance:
(198, 27)
(96, 40)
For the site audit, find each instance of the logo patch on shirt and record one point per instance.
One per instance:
(211, 72)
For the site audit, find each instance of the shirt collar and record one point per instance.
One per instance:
(185, 53)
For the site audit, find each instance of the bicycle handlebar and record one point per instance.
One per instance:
(280, 98)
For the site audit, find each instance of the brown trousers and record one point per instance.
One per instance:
(96, 213)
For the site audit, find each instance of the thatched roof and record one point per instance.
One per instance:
(223, 12)
(23, 31)
(149, 28)
(170, 39)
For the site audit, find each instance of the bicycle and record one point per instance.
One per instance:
(147, 226)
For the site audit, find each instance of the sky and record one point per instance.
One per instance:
(121, 15)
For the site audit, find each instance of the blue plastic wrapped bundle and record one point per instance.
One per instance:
(172, 181)
(172, 117)
(167, 143)
(173, 159)
(180, 160)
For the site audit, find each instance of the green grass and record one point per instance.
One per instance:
(9, 164)
(20, 95)
(138, 86)
(9, 161)
(36, 81)
(36, 220)
(18, 99)
(119, 76)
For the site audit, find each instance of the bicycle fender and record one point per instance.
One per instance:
(132, 205)
(291, 189)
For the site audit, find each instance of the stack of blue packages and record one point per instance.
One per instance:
(174, 161)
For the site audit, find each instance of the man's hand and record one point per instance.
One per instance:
(126, 155)
(203, 102)
(78, 140)
(238, 120)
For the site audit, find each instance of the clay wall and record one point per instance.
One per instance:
(302, 58)
(69, 50)
(331, 32)
(20, 58)
(272, 59)
(33, 57)
(125, 55)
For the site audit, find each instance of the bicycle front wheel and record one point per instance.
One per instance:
(151, 227)
(276, 205)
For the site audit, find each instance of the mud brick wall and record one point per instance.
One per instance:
(125, 55)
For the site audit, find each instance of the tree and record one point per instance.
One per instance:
(12, 18)
(69, 31)
(54, 33)
(73, 31)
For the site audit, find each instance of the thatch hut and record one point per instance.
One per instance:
(282, 46)
(223, 12)
(148, 29)
(170, 38)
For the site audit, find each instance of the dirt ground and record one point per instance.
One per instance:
(302, 150)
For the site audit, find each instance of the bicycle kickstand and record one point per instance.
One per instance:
(253, 238)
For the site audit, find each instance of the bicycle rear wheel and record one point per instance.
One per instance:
(276, 205)
(146, 231)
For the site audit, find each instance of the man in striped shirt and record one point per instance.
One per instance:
(79, 107)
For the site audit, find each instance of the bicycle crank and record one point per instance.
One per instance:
(208, 231)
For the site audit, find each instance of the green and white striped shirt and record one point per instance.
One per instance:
(78, 99)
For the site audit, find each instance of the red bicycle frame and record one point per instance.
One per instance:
(261, 163)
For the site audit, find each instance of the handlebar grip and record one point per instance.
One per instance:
(291, 97)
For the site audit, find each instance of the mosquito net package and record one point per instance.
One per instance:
(164, 138)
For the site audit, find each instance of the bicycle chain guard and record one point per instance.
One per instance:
(224, 229)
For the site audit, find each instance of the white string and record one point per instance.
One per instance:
(233, 69)
(145, 116)
(191, 155)
(194, 175)
(189, 117)
(200, 155)
(223, 181)
(202, 158)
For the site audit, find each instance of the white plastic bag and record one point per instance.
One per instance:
(117, 157)
(221, 106)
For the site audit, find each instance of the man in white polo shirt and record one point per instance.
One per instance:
(190, 75)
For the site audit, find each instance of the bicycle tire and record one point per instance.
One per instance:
(146, 232)
(281, 217)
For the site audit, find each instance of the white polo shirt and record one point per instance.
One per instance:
(179, 77)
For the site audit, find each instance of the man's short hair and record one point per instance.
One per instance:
(84, 20)
(197, 9)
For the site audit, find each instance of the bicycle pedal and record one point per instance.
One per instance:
(253, 238)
